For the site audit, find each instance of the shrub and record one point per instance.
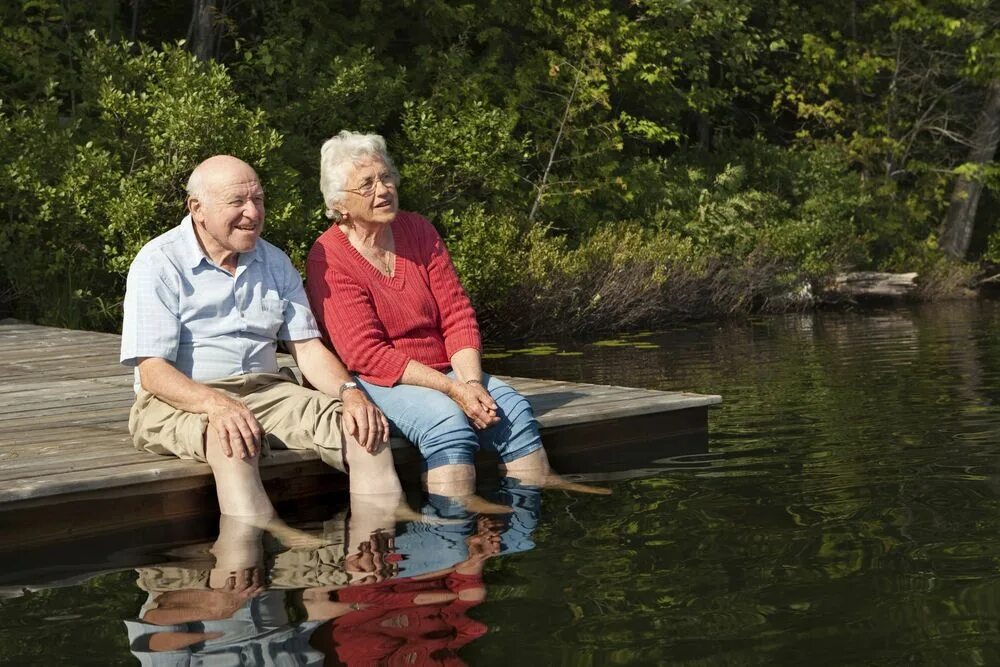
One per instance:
(84, 192)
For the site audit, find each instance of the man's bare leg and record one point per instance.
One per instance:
(376, 493)
(242, 496)
(239, 554)
(237, 482)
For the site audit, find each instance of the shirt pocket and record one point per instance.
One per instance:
(266, 316)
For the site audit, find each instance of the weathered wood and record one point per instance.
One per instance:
(69, 434)
(862, 285)
(64, 403)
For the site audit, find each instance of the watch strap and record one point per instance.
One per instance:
(350, 384)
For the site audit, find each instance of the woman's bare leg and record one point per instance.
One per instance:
(458, 481)
(534, 470)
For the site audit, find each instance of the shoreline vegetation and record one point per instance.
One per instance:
(594, 167)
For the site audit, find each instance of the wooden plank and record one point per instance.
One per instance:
(52, 347)
(55, 468)
(58, 459)
(67, 367)
(69, 434)
(622, 409)
(33, 383)
(69, 402)
(146, 473)
(71, 419)
(36, 461)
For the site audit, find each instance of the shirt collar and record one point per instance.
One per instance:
(194, 255)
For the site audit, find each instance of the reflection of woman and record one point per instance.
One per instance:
(418, 620)
(385, 292)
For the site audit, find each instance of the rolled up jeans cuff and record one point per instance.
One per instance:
(509, 456)
(456, 456)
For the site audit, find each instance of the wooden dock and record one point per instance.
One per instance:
(68, 468)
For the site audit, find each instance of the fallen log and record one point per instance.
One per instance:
(869, 286)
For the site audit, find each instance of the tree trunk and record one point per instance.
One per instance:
(961, 216)
(201, 31)
(133, 32)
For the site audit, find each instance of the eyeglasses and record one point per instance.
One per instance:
(367, 187)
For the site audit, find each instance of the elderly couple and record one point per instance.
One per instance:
(207, 302)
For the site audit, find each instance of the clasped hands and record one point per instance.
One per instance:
(240, 434)
(476, 403)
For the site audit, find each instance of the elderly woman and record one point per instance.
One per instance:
(386, 295)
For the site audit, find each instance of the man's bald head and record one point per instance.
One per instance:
(226, 202)
(216, 170)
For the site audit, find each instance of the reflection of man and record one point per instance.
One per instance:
(218, 610)
(205, 305)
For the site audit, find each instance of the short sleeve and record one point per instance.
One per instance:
(151, 325)
(299, 323)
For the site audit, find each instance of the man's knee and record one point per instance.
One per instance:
(215, 454)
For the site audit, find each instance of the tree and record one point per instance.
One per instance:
(961, 216)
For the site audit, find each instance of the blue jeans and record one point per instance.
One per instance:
(441, 431)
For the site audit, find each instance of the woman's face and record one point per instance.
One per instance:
(370, 194)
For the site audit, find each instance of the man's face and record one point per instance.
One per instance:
(230, 215)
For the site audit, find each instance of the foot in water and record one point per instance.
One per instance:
(551, 480)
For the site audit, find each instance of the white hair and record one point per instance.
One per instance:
(339, 155)
(196, 188)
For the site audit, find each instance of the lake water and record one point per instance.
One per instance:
(845, 511)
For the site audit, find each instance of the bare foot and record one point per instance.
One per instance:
(480, 505)
(554, 481)
(293, 538)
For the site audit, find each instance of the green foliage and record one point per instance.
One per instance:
(84, 196)
(490, 255)
(458, 156)
(580, 157)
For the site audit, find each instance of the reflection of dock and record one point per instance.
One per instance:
(68, 469)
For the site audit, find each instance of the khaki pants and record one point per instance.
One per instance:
(292, 417)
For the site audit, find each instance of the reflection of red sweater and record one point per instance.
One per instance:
(376, 323)
(396, 630)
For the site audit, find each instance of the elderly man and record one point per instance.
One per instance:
(205, 305)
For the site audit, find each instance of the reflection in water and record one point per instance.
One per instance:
(846, 511)
(356, 596)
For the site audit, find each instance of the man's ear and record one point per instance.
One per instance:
(194, 207)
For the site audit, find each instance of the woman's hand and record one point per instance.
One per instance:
(363, 421)
(476, 403)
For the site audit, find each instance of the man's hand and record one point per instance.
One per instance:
(476, 403)
(238, 430)
(363, 421)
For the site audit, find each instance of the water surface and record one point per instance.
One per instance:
(845, 511)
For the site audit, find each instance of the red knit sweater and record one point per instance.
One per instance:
(377, 323)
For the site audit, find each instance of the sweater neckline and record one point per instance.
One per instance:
(398, 266)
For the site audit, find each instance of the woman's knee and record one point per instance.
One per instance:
(517, 433)
(448, 439)
(431, 421)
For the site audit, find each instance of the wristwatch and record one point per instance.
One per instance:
(350, 384)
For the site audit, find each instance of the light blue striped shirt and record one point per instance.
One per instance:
(209, 323)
